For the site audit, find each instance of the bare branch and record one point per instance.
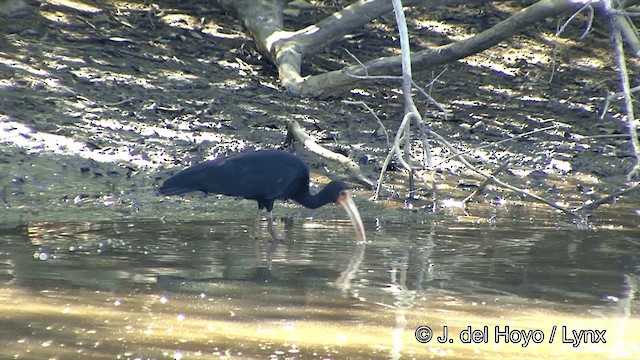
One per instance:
(295, 132)
(626, 86)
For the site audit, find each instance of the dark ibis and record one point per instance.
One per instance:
(263, 176)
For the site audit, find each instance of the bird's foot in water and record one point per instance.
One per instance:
(271, 251)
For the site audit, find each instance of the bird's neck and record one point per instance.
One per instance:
(313, 201)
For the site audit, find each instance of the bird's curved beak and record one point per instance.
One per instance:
(350, 207)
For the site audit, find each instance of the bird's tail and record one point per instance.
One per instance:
(195, 178)
(177, 185)
(166, 189)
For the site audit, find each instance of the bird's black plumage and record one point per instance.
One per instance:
(263, 175)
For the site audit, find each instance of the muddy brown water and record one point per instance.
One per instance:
(200, 290)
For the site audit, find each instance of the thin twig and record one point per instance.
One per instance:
(434, 79)
(586, 31)
(500, 182)
(612, 136)
(119, 102)
(363, 104)
(426, 147)
(428, 95)
(560, 30)
(430, 99)
(607, 199)
(366, 73)
(486, 181)
(391, 153)
(498, 143)
(614, 96)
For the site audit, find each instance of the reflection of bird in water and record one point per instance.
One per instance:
(263, 176)
(300, 284)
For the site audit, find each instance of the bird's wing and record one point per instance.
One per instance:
(270, 180)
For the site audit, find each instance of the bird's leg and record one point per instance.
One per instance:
(256, 225)
(272, 230)
(276, 240)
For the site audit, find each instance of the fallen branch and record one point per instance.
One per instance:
(286, 49)
(295, 132)
(331, 82)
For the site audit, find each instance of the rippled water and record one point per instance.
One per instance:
(200, 290)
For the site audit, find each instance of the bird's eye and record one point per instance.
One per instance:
(343, 193)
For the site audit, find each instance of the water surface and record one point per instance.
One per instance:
(201, 290)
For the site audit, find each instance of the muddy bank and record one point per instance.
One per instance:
(100, 103)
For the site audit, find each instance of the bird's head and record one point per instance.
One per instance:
(339, 192)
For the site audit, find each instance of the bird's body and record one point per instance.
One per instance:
(263, 176)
